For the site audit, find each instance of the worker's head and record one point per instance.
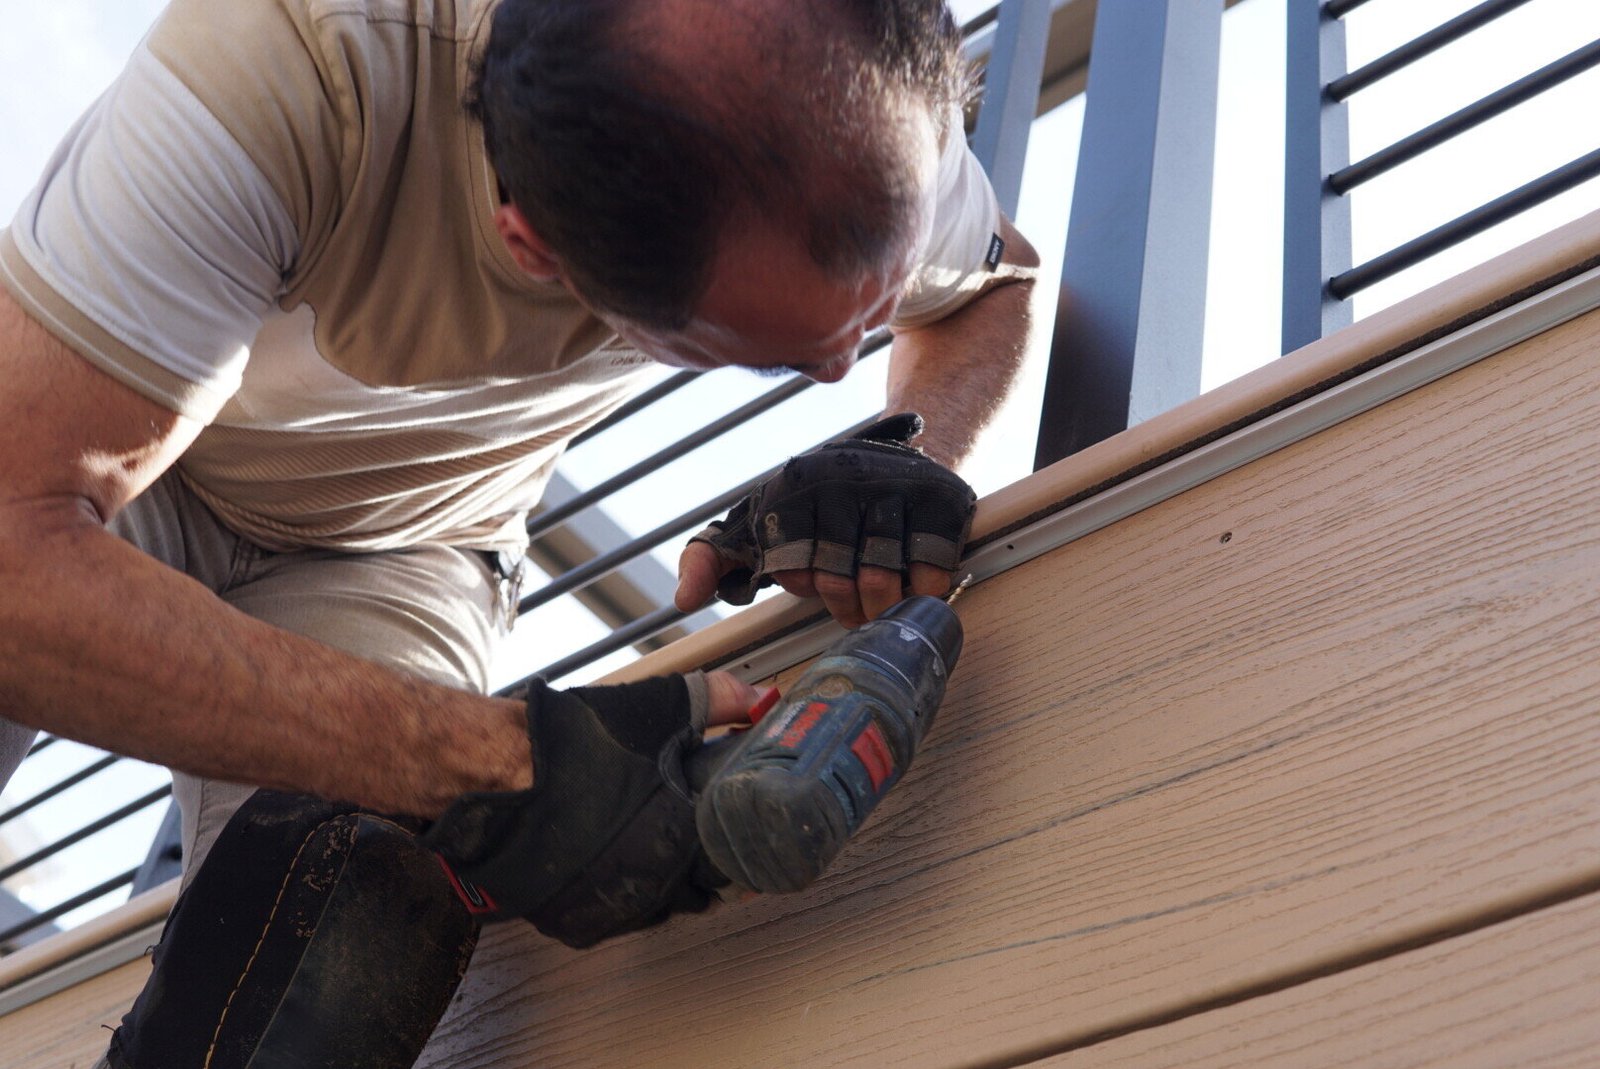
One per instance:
(725, 181)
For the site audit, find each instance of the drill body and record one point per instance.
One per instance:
(787, 794)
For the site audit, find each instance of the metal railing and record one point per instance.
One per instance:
(20, 925)
(1125, 347)
(1319, 278)
(1014, 35)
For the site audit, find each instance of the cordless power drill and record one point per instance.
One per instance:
(777, 802)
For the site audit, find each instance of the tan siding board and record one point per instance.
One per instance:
(1174, 769)
(68, 1030)
(1522, 994)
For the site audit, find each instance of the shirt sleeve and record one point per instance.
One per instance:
(152, 245)
(958, 262)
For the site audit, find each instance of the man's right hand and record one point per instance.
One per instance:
(861, 523)
(604, 842)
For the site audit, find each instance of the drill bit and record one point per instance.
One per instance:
(959, 590)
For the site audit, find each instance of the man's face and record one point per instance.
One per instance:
(770, 307)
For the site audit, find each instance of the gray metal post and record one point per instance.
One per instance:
(1131, 318)
(1316, 220)
(1011, 95)
(13, 911)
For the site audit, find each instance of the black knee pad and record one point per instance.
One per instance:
(314, 934)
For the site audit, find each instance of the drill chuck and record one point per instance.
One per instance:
(791, 791)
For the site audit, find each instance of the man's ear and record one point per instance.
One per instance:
(527, 248)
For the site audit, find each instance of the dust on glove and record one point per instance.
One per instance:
(604, 842)
(872, 498)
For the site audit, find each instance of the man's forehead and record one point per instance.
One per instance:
(712, 43)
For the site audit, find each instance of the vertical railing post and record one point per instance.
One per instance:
(1131, 317)
(1011, 95)
(1316, 220)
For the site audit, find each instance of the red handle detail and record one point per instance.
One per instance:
(763, 705)
(872, 750)
(475, 898)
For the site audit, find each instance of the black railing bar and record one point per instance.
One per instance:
(666, 386)
(648, 625)
(637, 631)
(84, 832)
(1338, 9)
(1469, 225)
(981, 20)
(544, 521)
(541, 522)
(1432, 41)
(39, 920)
(1520, 91)
(656, 621)
(48, 740)
(65, 785)
(589, 571)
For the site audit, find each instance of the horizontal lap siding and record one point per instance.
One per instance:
(68, 1030)
(1338, 701)
(1520, 993)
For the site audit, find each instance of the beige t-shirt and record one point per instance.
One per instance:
(279, 222)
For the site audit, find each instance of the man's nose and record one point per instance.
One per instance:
(833, 370)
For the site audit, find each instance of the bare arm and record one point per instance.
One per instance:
(957, 371)
(100, 643)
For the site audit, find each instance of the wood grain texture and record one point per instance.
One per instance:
(70, 1029)
(1522, 994)
(1325, 705)
(1320, 707)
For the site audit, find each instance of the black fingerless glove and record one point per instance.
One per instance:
(604, 842)
(872, 498)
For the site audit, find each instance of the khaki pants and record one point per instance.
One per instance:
(430, 610)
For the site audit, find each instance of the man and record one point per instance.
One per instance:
(291, 339)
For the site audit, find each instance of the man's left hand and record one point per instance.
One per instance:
(605, 841)
(860, 523)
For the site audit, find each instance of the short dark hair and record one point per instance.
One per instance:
(632, 171)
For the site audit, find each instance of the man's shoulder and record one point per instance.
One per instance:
(308, 88)
(449, 20)
(341, 37)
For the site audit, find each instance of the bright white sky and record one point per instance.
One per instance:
(57, 56)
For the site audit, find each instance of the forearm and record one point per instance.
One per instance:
(103, 644)
(958, 371)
